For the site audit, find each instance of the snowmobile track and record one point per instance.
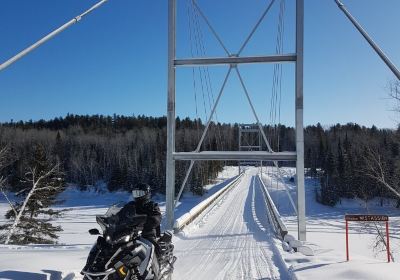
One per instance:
(233, 241)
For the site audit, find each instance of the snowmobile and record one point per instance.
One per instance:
(120, 253)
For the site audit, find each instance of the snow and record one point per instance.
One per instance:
(326, 235)
(206, 203)
(65, 260)
(188, 201)
(231, 240)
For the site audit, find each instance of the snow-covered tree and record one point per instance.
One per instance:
(4, 162)
(30, 218)
(380, 171)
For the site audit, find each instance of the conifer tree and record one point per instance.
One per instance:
(30, 222)
(329, 193)
(58, 148)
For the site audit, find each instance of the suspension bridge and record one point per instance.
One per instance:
(235, 240)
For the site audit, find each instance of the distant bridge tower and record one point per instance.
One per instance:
(233, 62)
(250, 139)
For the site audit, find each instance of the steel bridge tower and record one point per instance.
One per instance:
(233, 61)
(249, 140)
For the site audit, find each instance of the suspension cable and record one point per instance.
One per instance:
(198, 53)
(276, 95)
(193, 69)
(210, 27)
(204, 71)
(49, 36)
(276, 98)
(281, 27)
(377, 49)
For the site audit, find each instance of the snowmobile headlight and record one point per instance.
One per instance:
(127, 238)
(108, 238)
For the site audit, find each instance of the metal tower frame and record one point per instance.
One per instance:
(233, 60)
(254, 145)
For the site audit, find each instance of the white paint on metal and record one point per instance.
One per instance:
(301, 200)
(170, 164)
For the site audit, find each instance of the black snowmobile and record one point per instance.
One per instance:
(122, 254)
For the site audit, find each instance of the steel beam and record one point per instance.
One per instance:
(203, 135)
(170, 164)
(250, 130)
(256, 27)
(213, 31)
(236, 155)
(301, 202)
(280, 58)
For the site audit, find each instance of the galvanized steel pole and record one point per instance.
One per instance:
(49, 36)
(170, 164)
(301, 203)
(378, 50)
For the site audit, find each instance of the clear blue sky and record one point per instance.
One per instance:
(115, 60)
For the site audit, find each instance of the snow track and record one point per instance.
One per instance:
(234, 241)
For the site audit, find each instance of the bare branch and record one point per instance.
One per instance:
(49, 188)
(3, 151)
(2, 185)
(22, 191)
(47, 174)
(380, 238)
(35, 183)
(3, 157)
(394, 93)
(375, 170)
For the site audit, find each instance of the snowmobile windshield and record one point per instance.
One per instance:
(113, 210)
(110, 217)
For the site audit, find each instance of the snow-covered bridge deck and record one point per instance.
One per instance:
(233, 242)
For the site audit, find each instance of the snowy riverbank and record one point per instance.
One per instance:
(326, 235)
(64, 261)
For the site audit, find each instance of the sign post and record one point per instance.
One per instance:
(347, 240)
(367, 218)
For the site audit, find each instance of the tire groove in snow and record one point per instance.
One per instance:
(234, 242)
(207, 255)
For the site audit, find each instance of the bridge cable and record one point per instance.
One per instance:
(196, 39)
(50, 36)
(370, 41)
(207, 77)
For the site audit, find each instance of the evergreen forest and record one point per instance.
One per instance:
(123, 151)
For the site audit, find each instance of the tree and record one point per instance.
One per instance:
(4, 161)
(377, 169)
(344, 172)
(329, 193)
(31, 218)
(58, 148)
(394, 93)
(377, 165)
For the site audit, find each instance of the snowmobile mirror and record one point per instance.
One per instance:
(94, 231)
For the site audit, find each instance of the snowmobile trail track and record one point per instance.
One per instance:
(234, 241)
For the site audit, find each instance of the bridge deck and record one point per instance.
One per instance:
(233, 241)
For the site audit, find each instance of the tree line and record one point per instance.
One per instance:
(119, 151)
(353, 161)
(38, 159)
(123, 151)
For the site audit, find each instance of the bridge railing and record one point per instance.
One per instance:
(196, 211)
(273, 213)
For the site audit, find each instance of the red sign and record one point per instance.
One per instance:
(367, 218)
